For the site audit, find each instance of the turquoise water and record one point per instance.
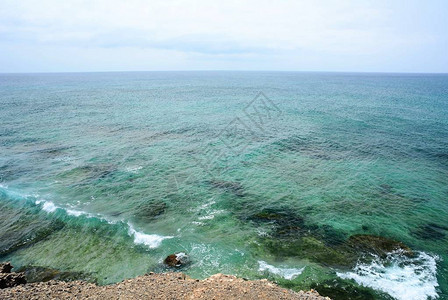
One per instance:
(106, 174)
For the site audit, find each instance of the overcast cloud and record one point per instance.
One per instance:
(136, 35)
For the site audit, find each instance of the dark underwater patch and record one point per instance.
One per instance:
(11, 171)
(290, 236)
(53, 151)
(339, 289)
(43, 274)
(24, 229)
(324, 149)
(285, 222)
(229, 186)
(88, 173)
(7, 132)
(150, 210)
(310, 248)
(431, 231)
(378, 245)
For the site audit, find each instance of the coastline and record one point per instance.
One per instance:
(159, 286)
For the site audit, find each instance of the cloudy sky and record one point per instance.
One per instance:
(137, 35)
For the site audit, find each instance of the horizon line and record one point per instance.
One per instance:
(207, 70)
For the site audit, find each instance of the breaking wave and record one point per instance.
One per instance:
(400, 276)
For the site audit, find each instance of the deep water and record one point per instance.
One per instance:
(316, 183)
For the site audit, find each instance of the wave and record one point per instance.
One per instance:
(287, 273)
(50, 207)
(141, 238)
(150, 240)
(399, 276)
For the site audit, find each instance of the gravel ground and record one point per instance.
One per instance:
(159, 286)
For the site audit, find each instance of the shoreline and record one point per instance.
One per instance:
(156, 286)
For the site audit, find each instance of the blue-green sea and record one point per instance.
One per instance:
(282, 175)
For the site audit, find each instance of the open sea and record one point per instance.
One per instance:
(307, 179)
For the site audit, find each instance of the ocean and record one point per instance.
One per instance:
(307, 179)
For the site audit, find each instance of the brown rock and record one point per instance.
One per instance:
(176, 260)
(5, 267)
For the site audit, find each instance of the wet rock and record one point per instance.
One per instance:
(377, 245)
(11, 279)
(177, 260)
(8, 279)
(5, 267)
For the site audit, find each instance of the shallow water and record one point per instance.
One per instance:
(108, 173)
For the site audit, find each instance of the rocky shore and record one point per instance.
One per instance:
(155, 286)
(46, 283)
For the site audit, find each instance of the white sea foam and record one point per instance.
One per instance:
(133, 169)
(287, 273)
(206, 205)
(399, 276)
(150, 240)
(261, 232)
(211, 214)
(76, 213)
(196, 223)
(48, 206)
(64, 158)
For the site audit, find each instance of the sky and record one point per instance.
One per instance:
(283, 35)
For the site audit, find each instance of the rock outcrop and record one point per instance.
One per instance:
(5, 267)
(177, 260)
(160, 286)
(8, 279)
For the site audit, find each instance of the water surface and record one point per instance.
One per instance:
(106, 174)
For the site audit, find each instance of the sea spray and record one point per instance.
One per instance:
(398, 275)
